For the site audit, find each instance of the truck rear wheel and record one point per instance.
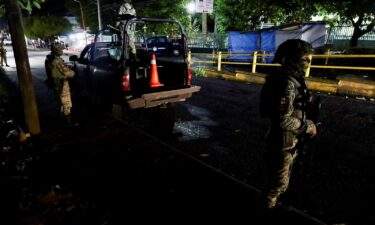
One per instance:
(158, 121)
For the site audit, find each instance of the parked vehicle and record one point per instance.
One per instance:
(163, 45)
(108, 69)
(7, 41)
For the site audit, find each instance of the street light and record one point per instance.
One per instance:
(190, 7)
(83, 19)
(191, 10)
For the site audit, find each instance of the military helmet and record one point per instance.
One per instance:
(57, 48)
(292, 50)
(127, 9)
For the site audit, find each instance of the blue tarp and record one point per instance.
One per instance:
(267, 44)
(269, 40)
(242, 43)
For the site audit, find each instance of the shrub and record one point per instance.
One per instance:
(200, 72)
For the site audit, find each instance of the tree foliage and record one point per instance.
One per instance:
(296, 10)
(233, 14)
(27, 5)
(45, 27)
(30, 4)
(164, 9)
(146, 8)
(248, 14)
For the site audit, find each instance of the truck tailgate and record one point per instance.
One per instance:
(159, 98)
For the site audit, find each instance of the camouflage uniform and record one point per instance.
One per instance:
(3, 55)
(284, 99)
(126, 9)
(60, 72)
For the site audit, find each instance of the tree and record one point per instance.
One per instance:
(248, 14)
(295, 10)
(45, 27)
(242, 14)
(22, 62)
(360, 14)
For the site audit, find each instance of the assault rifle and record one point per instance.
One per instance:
(313, 110)
(312, 113)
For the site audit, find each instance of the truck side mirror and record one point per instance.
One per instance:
(73, 58)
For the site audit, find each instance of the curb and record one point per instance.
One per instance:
(354, 86)
(342, 86)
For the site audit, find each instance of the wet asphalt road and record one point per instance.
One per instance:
(220, 125)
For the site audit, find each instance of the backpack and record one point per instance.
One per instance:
(270, 95)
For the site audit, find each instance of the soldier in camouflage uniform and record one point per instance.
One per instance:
(284, 98)
(127, 11)
(3, 54)
(59, 73)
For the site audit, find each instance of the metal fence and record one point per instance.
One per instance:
(345, 33)
(210, 41)
(337, 37)
(258, 59)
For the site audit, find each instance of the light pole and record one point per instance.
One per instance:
(83, 19)
(99, 15)
(191, 10)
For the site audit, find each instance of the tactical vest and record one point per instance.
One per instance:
(272, 92)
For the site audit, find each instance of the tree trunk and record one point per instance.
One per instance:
(356, 35)
(23, 66)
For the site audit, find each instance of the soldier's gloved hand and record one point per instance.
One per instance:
(134, 58)
(311, 128)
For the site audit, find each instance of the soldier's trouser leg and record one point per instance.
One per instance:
(65, 98)
(280, 163)
(131, 43)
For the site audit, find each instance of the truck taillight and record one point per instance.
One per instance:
(126, 80)
(189, 76)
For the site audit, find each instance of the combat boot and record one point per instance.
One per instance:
(270, 202)
(68, 120)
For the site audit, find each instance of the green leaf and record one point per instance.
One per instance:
(37, 5)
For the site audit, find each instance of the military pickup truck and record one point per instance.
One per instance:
(148, 82)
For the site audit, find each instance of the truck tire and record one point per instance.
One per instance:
(165, 120)
(158, 121)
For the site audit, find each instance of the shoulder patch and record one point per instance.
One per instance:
(284, 102)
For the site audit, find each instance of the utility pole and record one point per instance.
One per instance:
(204, 23)
(99, 15)
(83, 19)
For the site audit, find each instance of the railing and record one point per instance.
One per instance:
(259, 59)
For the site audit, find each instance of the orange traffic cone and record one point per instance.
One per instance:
(154, 81)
